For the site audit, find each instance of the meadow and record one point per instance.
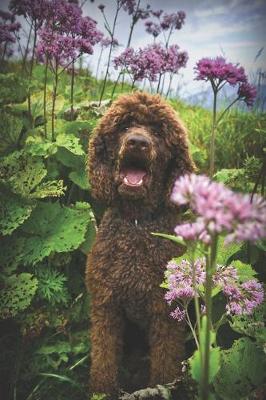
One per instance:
(48, 221)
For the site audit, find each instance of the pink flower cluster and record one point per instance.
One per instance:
(132, 7)
(218, 210)
(173, 20)
(33, 10)
(242, 298)
(151, 61)
(8, 31)
(66, 34)
(218, 71)
(106, 42)
(166, 22)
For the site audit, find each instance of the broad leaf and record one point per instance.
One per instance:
(22, 172)
(243, 367)
(48, 189)
(80, 178)
(52, 228)
(244, 271)
(13, 211)
(71, 143)
(176, 239)
(17, 294)
(251, 325)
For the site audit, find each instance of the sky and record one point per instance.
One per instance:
(235, 29)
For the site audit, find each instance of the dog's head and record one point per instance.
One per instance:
(138, 150)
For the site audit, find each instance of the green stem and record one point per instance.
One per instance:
(45, 97)
(72, 91)
(210, 268)
(30, 73)
(159, 82)
(193, 331)
(212, 146)
(225, 111)
(109, 56)
(115, 85)
(54, 99)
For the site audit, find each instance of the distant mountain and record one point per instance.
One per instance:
(227, 95)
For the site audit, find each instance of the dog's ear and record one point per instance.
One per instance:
(100, 168)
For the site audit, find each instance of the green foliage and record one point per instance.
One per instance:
(52, 286)
(252, 325)
(44, 242)
(10, 128)
(17, 294)
(244, 271)
(13, 89)
(13, 211)
(195, 361)
(243, 367)
(52, 228)
(21, 172)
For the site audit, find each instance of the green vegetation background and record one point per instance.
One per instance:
(47, 226)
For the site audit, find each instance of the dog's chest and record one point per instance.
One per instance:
(136, 259)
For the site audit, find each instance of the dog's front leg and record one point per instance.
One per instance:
(166, 341)
(106, 347)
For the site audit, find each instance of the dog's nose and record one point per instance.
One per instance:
(137, 142)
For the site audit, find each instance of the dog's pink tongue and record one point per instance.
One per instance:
(134, 176)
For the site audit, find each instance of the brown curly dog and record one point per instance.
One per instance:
(136, 152)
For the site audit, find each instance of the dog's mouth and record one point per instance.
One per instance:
(134, 172)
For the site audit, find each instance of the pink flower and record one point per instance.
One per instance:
(218, 210)
(178, 314)
(218, 71)
(242, 298)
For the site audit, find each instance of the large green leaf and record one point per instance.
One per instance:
(80, 178)
(225, 252)
(71, 143)
(10, 129)
(22, 172)
(214, 352)
(53, 228)
(244, 271)
(13, 211)
(13, 89)
(48, 189)
(17, 294)
(38, 146)
(11, 253)
(251, 325)
(243, 367)
(214, 364)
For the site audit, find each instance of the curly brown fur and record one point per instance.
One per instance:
(137, 151)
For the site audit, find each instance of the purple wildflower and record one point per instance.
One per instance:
(106, 42)
(178, 314)
(157, 13)
(173, 21)
(242, 298)
(180, 279)
(245, 298)
(219, 210)
(101, 7)
(247, 93)
(150, 61)
(218, 69)
(218, 72)
(33, 10)
(153, 28)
